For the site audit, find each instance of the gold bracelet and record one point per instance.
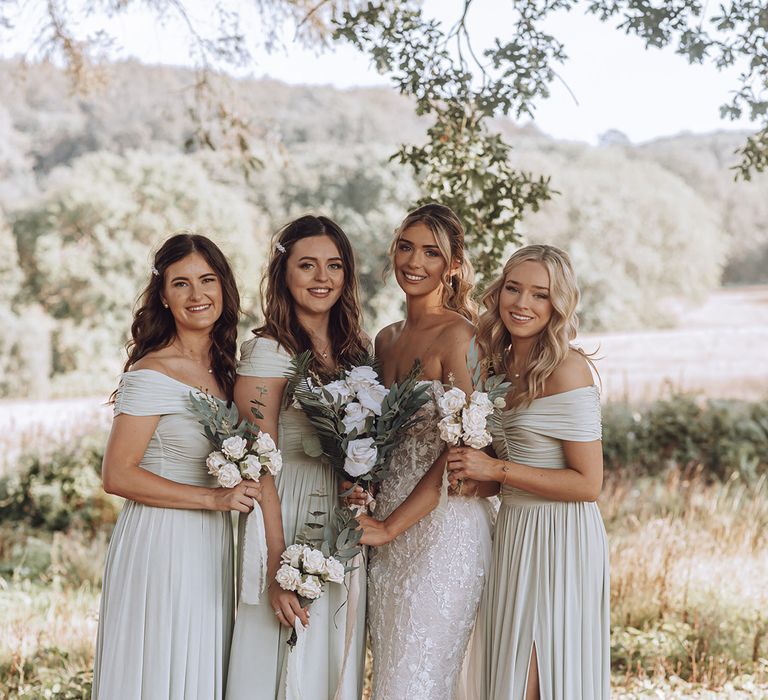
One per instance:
(506, 471)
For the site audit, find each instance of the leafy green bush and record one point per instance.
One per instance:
(720, 436)
(59, 489)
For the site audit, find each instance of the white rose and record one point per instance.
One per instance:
(361, 456)
(334, 570)
(339, 390)
(234, 447)
(355, 416)
(310, 588)
(452, 401)
(473, 419)
(229, 475)
(450, 430)
(481, 400)
(314, 561)
(372, 396)
(274, 462)
(215, 461)
(477, 440)
(288, 578)
(265, 443)
(292, 555)
(251, 466)
(360, 377)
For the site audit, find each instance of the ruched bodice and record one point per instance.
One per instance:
(178, 448)
(533, 434)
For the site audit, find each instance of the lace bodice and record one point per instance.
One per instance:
(412, 458)
(424, 586)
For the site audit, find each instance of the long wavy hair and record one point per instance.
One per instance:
(279, 307)
(449, 235)
(153, 325)
(554, 341)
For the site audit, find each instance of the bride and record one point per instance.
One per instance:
(427, 569)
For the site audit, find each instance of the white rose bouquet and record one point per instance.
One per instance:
(241, 451)
(317, 560)
(357, 419)
(465, 420)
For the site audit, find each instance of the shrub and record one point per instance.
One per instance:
(59, 488)
(718, 436)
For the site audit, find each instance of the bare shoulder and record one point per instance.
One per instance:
(456, 330)
(387, 335)
(157, 360)
(572, 373)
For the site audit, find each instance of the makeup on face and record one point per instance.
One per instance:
(418, 263)
(525, 306)
(193, 293)
(315, 273)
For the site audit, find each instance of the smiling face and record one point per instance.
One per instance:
(418, 263)
(525, 306)
(314, 274)
(192, 291)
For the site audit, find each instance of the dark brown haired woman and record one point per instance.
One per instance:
(309, 299)
(166, 607)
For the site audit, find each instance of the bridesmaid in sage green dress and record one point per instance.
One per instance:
(543, 627)
(310, 304)
(167, 596)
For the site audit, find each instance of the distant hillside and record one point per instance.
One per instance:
(90, 183)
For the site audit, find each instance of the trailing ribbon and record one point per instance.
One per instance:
(349, 631)
(254, 558)
(295, 671)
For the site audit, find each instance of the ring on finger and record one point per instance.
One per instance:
(278, 612)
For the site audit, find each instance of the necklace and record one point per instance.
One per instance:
(183, 354)
(322, 353)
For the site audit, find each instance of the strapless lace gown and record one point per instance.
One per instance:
(424, 587)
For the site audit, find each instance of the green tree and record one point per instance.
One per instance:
(464, 162)
(640, 238)
(85, 248)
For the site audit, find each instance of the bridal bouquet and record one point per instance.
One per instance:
(241, 451)
(465, 420)
(357, 419)
(315, 561)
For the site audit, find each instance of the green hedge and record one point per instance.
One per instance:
(60, 488)
(720, 436)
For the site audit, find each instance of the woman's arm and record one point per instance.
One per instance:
(121, 474)
(269, 392)
(426, 495)
(580, 480)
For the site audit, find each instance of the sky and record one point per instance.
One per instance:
(610, 81)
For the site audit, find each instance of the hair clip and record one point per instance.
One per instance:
(280, 247)
(155, 272)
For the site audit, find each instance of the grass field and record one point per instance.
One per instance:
(688, 554)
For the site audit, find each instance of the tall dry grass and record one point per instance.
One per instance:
(689, 600)
(688, 573)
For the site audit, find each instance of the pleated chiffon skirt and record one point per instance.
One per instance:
(549, 587)
(166, 607)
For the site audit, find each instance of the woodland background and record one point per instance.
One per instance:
(672, 257)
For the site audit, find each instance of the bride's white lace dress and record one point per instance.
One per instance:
(424, 587)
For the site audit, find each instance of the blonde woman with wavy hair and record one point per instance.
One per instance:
(427, 565)
(543, 626)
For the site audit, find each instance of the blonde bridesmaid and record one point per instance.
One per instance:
(543, 629)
